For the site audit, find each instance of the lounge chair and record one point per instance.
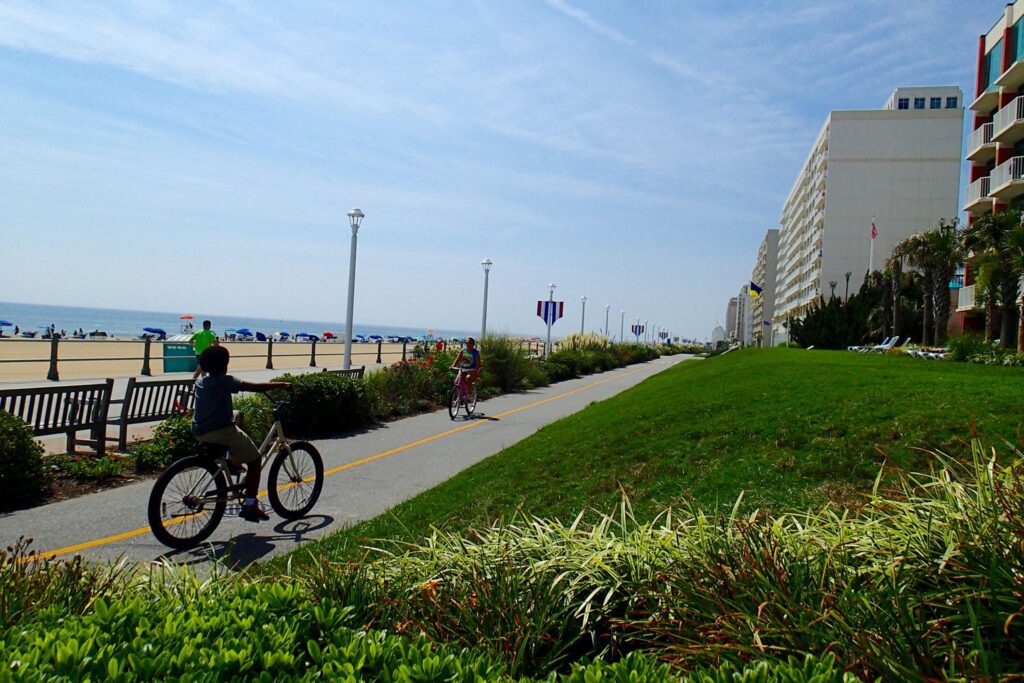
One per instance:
(884, 346)
(864, 347)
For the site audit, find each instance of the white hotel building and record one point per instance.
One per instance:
(899, 164)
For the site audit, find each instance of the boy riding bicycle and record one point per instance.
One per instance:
(213, 421)
(468, 361)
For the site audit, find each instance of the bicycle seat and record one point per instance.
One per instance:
(213, 450)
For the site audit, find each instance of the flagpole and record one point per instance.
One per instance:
(871, 248)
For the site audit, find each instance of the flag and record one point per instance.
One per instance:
(766, 322)
(755, 291)
(874, 230)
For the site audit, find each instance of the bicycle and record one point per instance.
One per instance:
(460, 398)
(190, 497)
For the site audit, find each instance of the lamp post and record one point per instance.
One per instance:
(583, 312)
(847, 298)
(486, 263)
(622, 326)
(832, 285)
(606, 332)
(355, 217)
(551, 299)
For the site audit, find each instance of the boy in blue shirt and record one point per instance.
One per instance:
(213, 421)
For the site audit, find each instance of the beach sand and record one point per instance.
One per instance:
(88, 359)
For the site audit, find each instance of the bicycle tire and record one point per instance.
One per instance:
(188, 512)
(454, 403)
(471, 401)
(293, 483)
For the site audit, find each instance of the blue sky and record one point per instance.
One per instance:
(180, 156)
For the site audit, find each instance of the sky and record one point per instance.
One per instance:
(166, 155)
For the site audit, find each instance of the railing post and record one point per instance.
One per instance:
(312, 355)
(403, 351)
(380, 342)
(270, 353)
(52, 374)
(145, 358)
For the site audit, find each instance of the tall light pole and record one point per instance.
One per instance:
(583, 313)
(355, 217)
(607, 332)
(622, 326)
(551, 308)
(647, 330)
(486, 263)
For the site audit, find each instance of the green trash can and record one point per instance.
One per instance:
(179, 357)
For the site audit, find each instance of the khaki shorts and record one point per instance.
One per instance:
(238, 442)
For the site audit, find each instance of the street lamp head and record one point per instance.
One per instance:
(608, 308)
(583, 298)
(551, 286)
(355, 217)
(487, 263)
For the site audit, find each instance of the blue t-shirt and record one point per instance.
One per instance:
(213, 402)
(471, 359)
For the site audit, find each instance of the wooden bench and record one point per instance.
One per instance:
(152, 401)
(63, 410)
(352, 372)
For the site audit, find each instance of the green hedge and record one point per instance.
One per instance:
(23, 477)
(324, 404)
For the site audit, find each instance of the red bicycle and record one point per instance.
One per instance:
(461, 397)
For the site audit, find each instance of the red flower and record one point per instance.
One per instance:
(430, 359)
(439, 345)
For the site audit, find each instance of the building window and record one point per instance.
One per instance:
(918, 103)
(903, 103)
(936, 103)
(951, 103)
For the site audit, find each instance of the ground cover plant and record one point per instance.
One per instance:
(788, 428)
(921, 581)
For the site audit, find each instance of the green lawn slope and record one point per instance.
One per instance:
(786, 428)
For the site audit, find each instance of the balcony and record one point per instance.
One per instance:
(986, 102)
(965, 299)
(977, 200)
(1008, 125)
(1012, 77)
(980, 147)
(1006, 180)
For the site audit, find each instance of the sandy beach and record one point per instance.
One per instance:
(97, 359)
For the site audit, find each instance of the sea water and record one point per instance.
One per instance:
(130, 324)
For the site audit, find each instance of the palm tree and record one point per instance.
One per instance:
(987, 239)
(944, 243)
(1014, 247)
(915, 250)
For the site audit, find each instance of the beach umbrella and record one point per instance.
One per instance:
(329, 335)
(186, 317)
(4, 323)
(375, 337)
(153, 330)
(244, 330)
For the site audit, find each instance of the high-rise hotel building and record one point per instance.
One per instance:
(899, 165)
(763, 275)
(995, 147)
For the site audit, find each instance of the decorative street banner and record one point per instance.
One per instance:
(550, 311)
(637, 330)
(663, 335)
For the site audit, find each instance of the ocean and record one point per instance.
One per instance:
(129, 324)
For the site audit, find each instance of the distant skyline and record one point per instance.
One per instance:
(202, 156)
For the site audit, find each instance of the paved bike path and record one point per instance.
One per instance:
(367, 474)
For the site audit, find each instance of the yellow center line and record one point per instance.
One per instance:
(357, 463)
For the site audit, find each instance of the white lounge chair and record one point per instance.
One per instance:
(865, 347)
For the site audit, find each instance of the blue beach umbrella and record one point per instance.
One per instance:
(4, 323)
(153, 330)
(244, 330)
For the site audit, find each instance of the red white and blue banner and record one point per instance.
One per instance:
(663, 335)
(550, 311)
(637, 330)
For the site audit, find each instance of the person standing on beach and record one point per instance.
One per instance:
(202, 340)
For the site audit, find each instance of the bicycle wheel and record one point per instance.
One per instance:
(296, 479)
(181, 514)
(471, 401)
(453, 403)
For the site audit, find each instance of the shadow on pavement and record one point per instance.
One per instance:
(244, 549)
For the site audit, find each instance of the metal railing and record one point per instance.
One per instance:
(965, 297)
(977, 190)
(1006, 172)
(1008, 115)
(980, 137)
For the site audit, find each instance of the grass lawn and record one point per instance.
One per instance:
(787, 428)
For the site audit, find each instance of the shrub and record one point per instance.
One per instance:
(257, 415)
(172, 440)
(22, 473)
(506, 366)
(968, 347)
(323, 403)
(405, 388)
(91, 468)
(555, 371)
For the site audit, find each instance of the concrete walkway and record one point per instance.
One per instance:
(367, 473)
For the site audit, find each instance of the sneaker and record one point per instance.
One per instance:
(253, 513)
